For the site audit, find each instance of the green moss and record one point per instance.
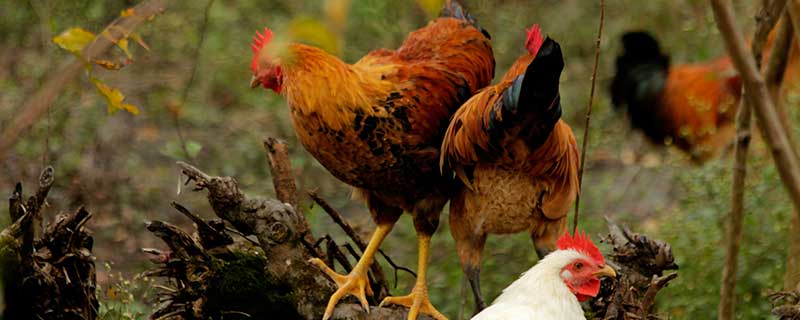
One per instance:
(241, 286)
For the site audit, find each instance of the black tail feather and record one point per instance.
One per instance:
(454, 9)
(641, 71)
(533, 100)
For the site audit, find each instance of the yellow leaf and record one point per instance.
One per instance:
(112, 293)
(123, 44)
(127, 12)
(312, 31)
(74, 40)
(431, 7)
(139, 40)
(131, 108)
(336, 13)
(114, 98)
(108, 65)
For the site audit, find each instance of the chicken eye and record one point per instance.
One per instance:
(578, 266)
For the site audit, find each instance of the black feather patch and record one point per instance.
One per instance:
(640, 66)
(454, 9)
(532, 101)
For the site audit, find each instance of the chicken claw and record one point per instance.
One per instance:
(416, 302)
(355, 283)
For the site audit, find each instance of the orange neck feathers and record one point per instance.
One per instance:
(318, 82)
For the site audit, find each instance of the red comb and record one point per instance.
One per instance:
(581, 243)
(259, 41)
(534, 40)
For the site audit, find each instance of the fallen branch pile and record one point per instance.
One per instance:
(786, 304)
(251, 261)
(52, 276)
(641, 263)
(213, 276)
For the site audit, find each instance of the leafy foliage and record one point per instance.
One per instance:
(74, 40)
(123, 167)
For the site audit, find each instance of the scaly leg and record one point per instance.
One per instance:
(418, 300)
(357, 282)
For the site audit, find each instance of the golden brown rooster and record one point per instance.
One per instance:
(378, 124)
(691, 106)
(517, 160)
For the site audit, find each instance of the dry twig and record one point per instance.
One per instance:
(588, 115)
(768, 119)
(766, 18)
(380, 278)
(34, 108)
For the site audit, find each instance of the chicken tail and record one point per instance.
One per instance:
(533, 100)
(454, 9)
(641, 71)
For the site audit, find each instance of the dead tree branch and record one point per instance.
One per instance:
(280, 280)
(786, 304)
(656, 284)
(381, 287)
(57, 268)
(640, 262)
(768, 119)
(766, 18)
(588, 115)
(34, 108)
(280, 167)
(283, 180)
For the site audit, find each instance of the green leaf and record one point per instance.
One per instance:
(431, 7)
(74, 40)
(193, 148)
(114, 98)
(313, 31)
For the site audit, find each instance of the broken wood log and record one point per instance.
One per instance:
(786, 304)
(199, 282)
(641, 262)
(281, 280)
(52, 277)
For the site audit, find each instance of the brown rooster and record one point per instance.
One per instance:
(378, 124)
(691, 106)
(517, 160)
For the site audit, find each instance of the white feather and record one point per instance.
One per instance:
(539, 294)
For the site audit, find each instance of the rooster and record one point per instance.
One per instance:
(691, 106)
(516, 160)
(554, 288)
(377, 125)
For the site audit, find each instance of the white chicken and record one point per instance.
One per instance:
(554, 287)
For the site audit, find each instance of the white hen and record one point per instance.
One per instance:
(554, 287)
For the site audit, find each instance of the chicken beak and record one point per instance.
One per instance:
(254, 82)
(606, 271)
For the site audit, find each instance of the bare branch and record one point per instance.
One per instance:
(768, 119)
(34, 108)
(380, 278)
(650, 295)
(766, 18)
(281, 169)
(588, 115)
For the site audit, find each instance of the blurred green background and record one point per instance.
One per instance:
(122, 166)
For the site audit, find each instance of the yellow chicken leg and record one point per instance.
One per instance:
(357, 282)
(417, 301)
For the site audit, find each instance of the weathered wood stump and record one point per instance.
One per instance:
(640, 262)
(52, 277)
(265, 273)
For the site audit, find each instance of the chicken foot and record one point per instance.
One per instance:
(357, 281)
(417, 301)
